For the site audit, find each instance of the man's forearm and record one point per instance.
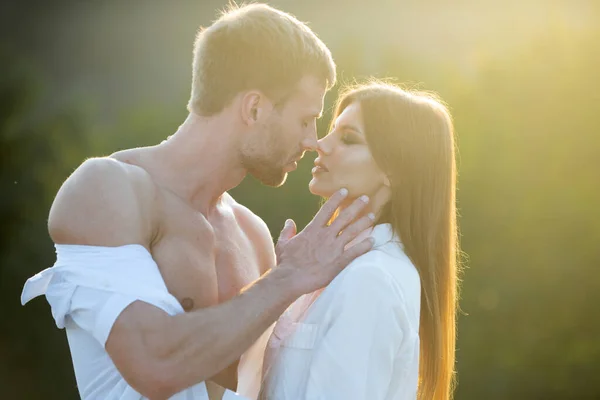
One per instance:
(205, 341)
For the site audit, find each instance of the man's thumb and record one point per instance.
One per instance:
(288, 231)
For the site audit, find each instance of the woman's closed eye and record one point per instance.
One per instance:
(350, 138)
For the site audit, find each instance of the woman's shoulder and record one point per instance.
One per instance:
(388, 260)
(370, 269)
(380, 279)
(380, 276)
(387, 255)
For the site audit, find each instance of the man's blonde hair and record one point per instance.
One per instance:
(254, 47)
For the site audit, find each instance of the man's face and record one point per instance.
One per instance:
(286, 133)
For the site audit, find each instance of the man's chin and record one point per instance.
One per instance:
(273, 180)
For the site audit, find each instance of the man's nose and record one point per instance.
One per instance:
(310, 143)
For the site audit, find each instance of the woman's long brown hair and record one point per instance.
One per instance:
(411, 137)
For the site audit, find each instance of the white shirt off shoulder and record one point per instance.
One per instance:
(87, 289)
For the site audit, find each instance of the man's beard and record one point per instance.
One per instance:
(267, 172)
(265, 161)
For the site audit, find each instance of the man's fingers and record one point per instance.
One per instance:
(356, 228)
(357, 250)
(332, 204)
(349, 214)
(288, 231)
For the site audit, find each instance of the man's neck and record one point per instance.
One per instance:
(199, 162)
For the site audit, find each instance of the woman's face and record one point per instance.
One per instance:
(345, 160)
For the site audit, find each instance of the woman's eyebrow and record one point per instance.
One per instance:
(348, 127)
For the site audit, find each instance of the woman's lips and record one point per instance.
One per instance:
(319, 168)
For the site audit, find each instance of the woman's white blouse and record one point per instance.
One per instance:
(357, 339)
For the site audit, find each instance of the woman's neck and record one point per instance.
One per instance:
(376, 203)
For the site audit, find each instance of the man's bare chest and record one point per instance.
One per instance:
(204, 263)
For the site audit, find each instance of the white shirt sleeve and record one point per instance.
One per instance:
(95, 311)
(92, 285)
(354, 359)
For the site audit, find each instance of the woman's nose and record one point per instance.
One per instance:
(323, 147)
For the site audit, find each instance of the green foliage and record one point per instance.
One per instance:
(38, 149)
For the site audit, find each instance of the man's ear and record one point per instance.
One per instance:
(252, 107)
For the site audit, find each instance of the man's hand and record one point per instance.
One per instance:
(316, 255)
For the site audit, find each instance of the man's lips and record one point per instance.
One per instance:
(291, 166)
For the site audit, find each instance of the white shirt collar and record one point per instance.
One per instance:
(384, 234)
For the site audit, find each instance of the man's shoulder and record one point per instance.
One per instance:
(101, 195)
(110, 169)
(107, 177)
(254, 227)
(246, 217)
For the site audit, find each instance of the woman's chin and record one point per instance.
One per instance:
(316, 188)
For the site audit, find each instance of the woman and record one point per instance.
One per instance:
(385, 327)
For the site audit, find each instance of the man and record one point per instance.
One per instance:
(129, 224)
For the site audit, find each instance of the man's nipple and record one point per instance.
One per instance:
(187, 304)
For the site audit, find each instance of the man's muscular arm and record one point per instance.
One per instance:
(106, 203)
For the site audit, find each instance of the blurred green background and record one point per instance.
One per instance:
(86, 78)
